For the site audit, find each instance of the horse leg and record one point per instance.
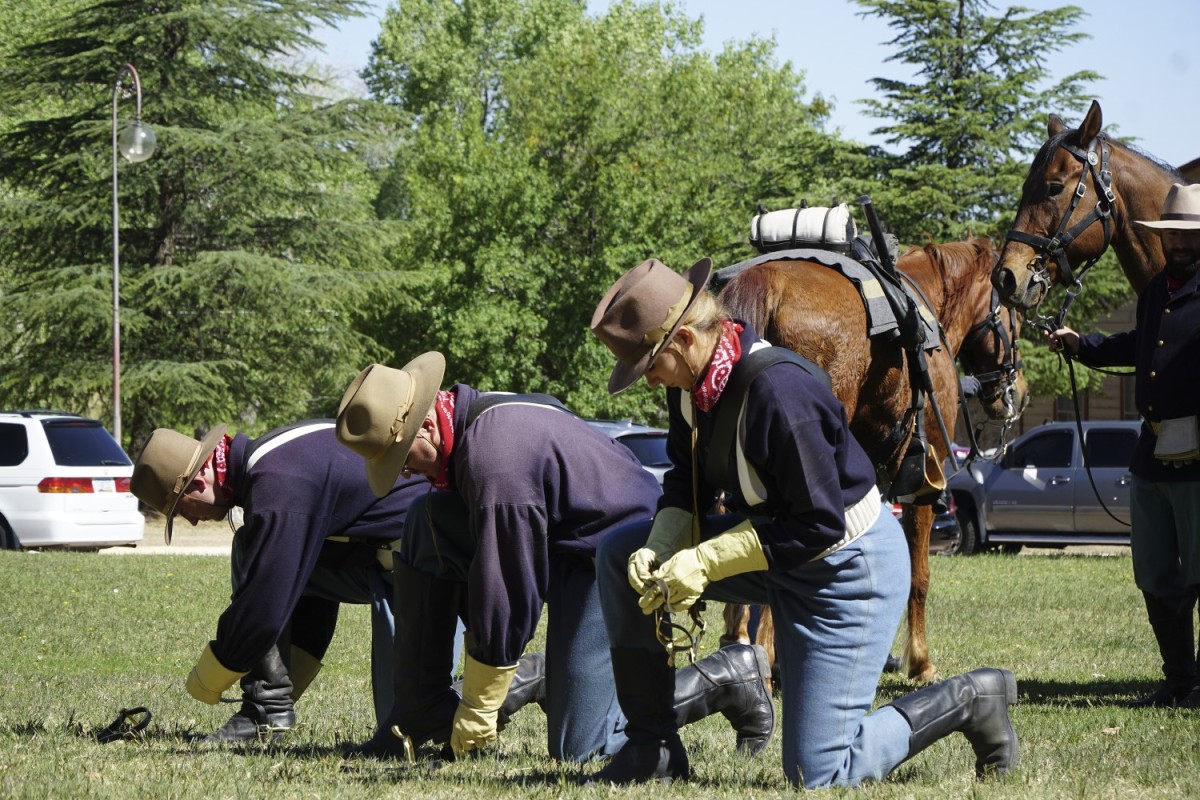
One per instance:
(765, 638)
(737, 622)
(917, 522)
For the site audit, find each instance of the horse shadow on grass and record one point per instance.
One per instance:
(1097, 693)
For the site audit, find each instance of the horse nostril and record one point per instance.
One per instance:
(1005, 282)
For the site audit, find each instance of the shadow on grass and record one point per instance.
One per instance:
(1053, 694)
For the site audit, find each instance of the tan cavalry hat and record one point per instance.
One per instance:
(642, 311)
(1181, 210)
(165, 467)
(382, 411)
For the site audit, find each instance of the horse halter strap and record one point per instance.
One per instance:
(1056, 245)
(1007, 343)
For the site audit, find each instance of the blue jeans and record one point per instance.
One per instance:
(583, 718)
(835, 620)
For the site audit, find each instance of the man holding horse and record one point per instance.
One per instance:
(525, 491)
(1165, 494)
(808, 535)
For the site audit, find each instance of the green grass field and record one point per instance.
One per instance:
(85, 635)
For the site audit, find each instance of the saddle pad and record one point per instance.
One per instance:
(880, 317)
(817, 226)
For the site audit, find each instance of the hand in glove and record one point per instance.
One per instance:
(483, 691)
(671, 532)
(688, 573)
(210, 677)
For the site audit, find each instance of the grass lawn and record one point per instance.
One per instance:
(86, 635)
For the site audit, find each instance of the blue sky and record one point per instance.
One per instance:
(1147, 50)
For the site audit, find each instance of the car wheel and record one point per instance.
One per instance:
(968, 537)
(8, 539)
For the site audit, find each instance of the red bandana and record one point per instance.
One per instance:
(725, 356)
(1174, 285)
(445, 423)
(219, 461)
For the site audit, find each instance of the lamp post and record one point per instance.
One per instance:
(136, 143)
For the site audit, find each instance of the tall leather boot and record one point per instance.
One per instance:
(646, 690)
(732, 680)
(1171, 621)
(427, 610)
(976, 704)
(528, 686)
(267, 710)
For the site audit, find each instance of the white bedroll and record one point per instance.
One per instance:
(828, 228)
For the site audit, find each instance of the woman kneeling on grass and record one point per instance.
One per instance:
(810, 538)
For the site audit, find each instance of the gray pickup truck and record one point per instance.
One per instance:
(1039, 493)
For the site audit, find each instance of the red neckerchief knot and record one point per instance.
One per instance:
(445, 422)
(725, 356)
(219, 461)
(1174, 285)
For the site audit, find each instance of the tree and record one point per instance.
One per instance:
(968, 123)
(549, 158)
(249, 246)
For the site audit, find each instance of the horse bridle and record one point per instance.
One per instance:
(1002, 379)
(1055, 246)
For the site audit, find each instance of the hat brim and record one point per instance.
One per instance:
(426, 372)
(1168, 225)
(207, 445)
(625, 375)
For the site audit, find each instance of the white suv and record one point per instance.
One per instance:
(64, 482)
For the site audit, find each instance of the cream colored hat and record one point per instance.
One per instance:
(642, 311)
(382, 411)
(1181, 210)
(165, 467)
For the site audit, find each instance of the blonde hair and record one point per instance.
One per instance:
(706, 314)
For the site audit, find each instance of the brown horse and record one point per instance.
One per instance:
(815, 311)
(1082, 194)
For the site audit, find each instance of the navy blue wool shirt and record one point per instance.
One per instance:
(539, 483)
(797, 438)
(293, 497)
(1164, 350)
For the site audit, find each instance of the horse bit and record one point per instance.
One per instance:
(1055, 246)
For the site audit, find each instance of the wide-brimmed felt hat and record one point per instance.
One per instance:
(382, 411)
(1181, 210)
(642, 311)
(167, 464)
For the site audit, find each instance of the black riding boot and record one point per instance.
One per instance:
(528, 686)
(646, 690)
(732, 681)
(1171, 621)
(427, 610)
(267, 710)
(976, 704)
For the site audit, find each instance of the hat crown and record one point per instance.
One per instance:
(635, 315)
(1181, 210)
(157, 473)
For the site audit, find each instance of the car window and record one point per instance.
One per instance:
(1110, 448)
(650, 449)
(83, 443)
(14, 444)
(1049, 450)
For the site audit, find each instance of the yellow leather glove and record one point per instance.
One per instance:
(209, 678)
(670, 533)
(303, 668)
(483, 691)
(679, 583)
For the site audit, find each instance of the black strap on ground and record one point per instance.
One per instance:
(129, 724)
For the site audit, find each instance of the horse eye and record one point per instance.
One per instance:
(1054, 189)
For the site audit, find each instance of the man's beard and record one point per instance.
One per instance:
(1182, 266)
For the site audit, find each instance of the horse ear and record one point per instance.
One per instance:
(1055, 125)
(1091, 125)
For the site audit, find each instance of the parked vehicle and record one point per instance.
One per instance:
(1040, 493)
(64, 483)
(647, 443)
